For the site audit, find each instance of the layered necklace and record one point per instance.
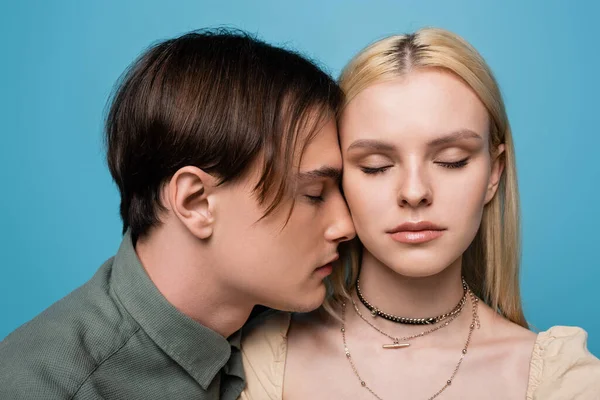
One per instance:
(400, 342)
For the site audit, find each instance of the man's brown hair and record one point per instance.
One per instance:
(214, 99)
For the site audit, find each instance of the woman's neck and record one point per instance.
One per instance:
(411, 297)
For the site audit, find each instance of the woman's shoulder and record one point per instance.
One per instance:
(271, 325)
(264, 348)
(264, 340)
(562, 366)
(268, 334)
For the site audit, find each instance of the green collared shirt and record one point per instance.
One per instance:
(117, 337)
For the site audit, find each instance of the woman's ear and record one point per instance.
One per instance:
(498, 163)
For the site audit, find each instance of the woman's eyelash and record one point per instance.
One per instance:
(453, 165)
(449, 165)
(373, 171)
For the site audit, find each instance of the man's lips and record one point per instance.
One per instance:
(331, 260)
(328, 267)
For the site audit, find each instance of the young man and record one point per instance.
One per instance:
(225, 153)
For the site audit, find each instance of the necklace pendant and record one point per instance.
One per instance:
(395, 345)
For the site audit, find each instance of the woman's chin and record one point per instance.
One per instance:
(421, 265)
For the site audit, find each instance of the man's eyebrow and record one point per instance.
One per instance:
(455, 136)
(326, 172)
(371, 144)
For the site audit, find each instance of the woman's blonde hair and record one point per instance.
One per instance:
(491, 263)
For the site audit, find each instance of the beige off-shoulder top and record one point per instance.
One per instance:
(561, 366)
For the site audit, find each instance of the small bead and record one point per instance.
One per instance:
(447, 323)
(464, 351)
(449, 382)
(343, 329)
(363, 383)
(348, 354)
(472, 326)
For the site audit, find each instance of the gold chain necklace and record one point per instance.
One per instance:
(396, 340)
(474, 323)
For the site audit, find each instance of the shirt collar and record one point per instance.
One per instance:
(201, 351)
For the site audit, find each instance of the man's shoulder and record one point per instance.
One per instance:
(56, 351)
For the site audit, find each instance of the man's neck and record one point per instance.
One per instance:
(188, 280)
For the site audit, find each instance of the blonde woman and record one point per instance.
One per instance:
(429, 304)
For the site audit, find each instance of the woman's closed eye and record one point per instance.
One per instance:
(453, 164)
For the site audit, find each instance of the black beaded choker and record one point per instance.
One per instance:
(413, 321)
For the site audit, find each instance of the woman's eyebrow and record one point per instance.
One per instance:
(462, 134)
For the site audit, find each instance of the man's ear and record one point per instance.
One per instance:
(498, 163)
(190, 198)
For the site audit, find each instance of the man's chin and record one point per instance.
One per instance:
(302, 302)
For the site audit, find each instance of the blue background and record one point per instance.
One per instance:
(60, 59)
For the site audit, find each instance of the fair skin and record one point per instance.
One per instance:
(415, 149)
(214, 258)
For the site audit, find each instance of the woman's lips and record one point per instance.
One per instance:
(416, 232)
(415, 237)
